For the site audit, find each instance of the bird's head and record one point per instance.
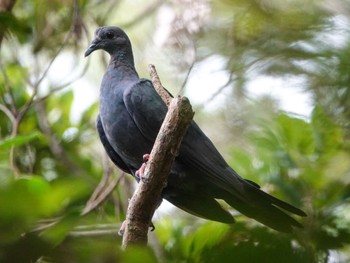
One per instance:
(110, 39)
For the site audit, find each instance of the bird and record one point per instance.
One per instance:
(130, 116)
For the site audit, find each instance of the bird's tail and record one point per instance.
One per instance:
(265, 208)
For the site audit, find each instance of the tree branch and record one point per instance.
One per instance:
(144, 14)
(55, 146)
(106, 186)
(162, 92)
(147, 196)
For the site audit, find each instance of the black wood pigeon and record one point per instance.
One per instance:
(131, 113)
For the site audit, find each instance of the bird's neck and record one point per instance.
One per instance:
(123, 61)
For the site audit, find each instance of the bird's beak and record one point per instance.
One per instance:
(95, 44)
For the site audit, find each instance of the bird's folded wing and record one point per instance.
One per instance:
(146, 108)
(117, 160)
(197, 151)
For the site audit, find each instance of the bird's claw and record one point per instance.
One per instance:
(152, 227)
(122, 229)
(146, 157)
(123, 226)
(140, 173)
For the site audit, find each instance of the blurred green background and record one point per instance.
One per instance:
(269, 81)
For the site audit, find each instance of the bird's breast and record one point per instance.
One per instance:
(121, 130)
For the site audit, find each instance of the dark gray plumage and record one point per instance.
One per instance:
(131, 113)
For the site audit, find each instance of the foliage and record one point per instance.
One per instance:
(304, 162)
(50, 163)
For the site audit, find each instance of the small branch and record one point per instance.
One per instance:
(36, 85)
(102, 191)
(144, 14)
(11, 100)
(78, 231)
(148, 194)
(58, 51)
(189, 71)
(56, 147)
(163, 93)
(9, 114)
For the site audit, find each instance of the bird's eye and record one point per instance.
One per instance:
(109, 35)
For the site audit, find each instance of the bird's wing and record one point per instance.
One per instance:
(201, 158)
(117, 160)
(199, 152)
(148, 111)
(146, 108)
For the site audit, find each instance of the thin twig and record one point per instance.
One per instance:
(218, 92)
(107, 173)
(102, 191)
(22, 111)
(231, 79)
(189, 71)
(8, 90)
(144, 14)
(95, 230)
(163, 93)
(228, 82)
(79, 76)
(65, 41)
(17, 115)
(81, 230)
(35, 86)
(54, 144)
(91, 233)
(9, 114)
(60, 87)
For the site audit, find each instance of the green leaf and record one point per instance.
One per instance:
(208, 235)
(295, 134)
(139, 254)
(328, 136)
(19, 140)
(21, 205)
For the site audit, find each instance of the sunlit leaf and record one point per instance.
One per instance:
(139, 254)
(19, 140)
(328, 136)
(208, 235)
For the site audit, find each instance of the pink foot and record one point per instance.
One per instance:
(146, 157)
(140, 173)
